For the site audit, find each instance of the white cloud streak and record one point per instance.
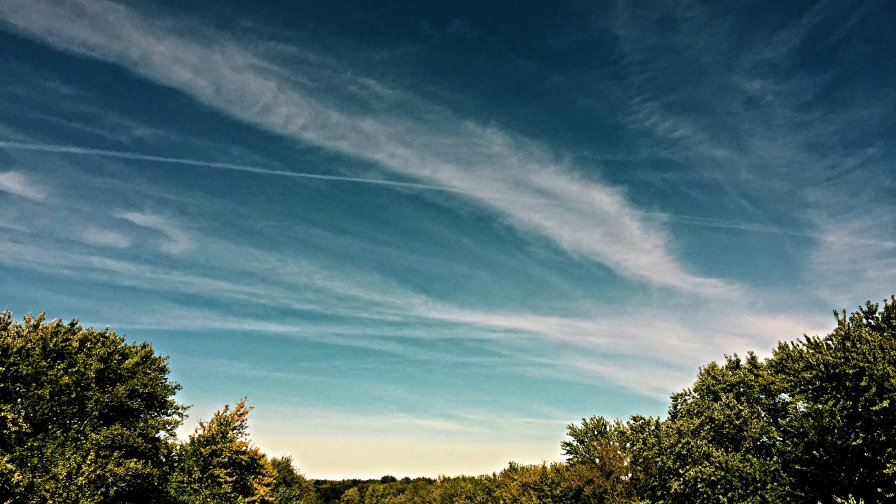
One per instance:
(855, 260)
(103, 238)
(19, 184)
(177, 242)
(710, 222)
(69, 149)
(376, 314)
(776, 143)
(507, 174)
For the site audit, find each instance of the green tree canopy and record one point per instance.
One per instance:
(599, 467)
(815, 422)
(218, 464)
(839, 433)
(288, 485)
(84, 416)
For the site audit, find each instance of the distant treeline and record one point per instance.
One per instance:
(87, 417)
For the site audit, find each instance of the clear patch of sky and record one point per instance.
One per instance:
(367, 380)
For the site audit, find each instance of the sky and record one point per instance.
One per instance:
(422, 238)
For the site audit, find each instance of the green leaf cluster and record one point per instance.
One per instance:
(86, 417)
(812, 423)
(218, 464)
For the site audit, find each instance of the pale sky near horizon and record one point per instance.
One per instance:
(423, 238)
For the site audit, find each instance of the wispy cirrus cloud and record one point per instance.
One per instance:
(361, 310)
(856, 259)
(20, 184)
(510, 175)
(71, 149)
(764, 127)
(258, 170)
(176, 240)
(520, 180)
(103, 237)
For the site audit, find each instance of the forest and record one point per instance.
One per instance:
(87, 417)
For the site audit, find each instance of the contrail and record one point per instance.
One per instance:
(713, 222)
(681, 219)
(85, 151)
(69, 149)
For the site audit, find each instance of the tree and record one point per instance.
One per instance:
(84, 416)
(351, 496)
(721, 438)
(599, 468)
(839, 437)
(469, 489)
(815, 422)
(288, 485)
(218, 464)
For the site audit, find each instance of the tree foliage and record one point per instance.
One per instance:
(815, 422)
(218, 464)
(85, 416)
(288, 485)
(599, 467)
(839, 437)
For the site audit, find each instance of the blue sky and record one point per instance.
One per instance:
(423, 238)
